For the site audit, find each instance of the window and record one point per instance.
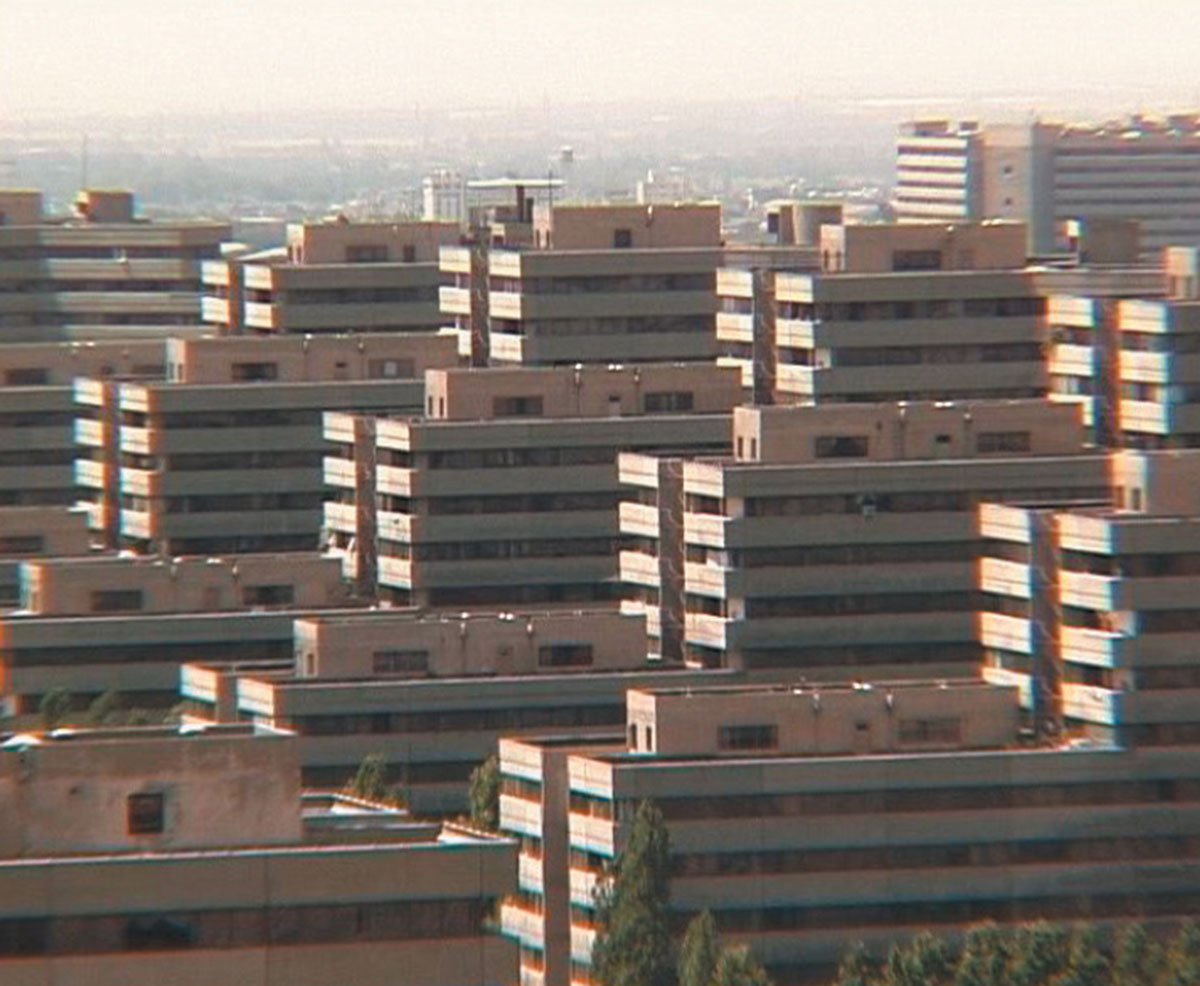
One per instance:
(931, 730)
(916, 260)
(516, 407)
(116, 600)
(400, 661)
(391, 369)
(246, 372)
(144, 814)
(1003, 441)
(670, 400)
(366, 254)
(565, 655)
(842, 447)
(27, 377)
(748, 737)
(283, 594)
(410, 253)
(622, 239)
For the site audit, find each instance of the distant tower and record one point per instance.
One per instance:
(444, 197)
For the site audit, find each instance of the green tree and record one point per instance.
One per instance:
(924, 961)
(857, 967)
(700, 951)
(370, 780)
(737, 967)
(1087, 964)
(633, 943)
(484, 795)
(1183, 957)
(54, 708)
(984, 957)
(1039, 954)
(105, 710)
(1137, 958)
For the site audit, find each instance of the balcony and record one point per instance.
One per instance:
(1011, 679)
(638, 519)
(392, 480)
(137, 524)
(593, 834)
(1005, 578)
(395, 572)
(1000, 632)
(705, 630)
(339, 473)
(639, 568)
(1146, 416)
(91, 433)
(391, 526)
(583, 887)
(1096, 592)
(215, 311)
(262, 315)
(520, 815)
(529, 874)
(1092, 704)
(89, 474)
(705, 529)
(341, 517)
(525, 926)
(454, 301)
(735, 328)
(1070, 360)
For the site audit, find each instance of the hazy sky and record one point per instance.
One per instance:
(141, 56)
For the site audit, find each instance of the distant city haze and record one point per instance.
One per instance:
(79, 57)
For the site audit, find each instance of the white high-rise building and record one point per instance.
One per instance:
(444, 197)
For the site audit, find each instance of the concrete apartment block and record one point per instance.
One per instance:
(126, 624)
(1133, 364)
(504, 494)
(332, 277)
(807, 816)
(190, 856)
(37, 444)
(225, 456)
(838, 541)
(903, 312)
(599, 283)
(432, 693)
(1093, 612)
(1141, 168)
(100, 274)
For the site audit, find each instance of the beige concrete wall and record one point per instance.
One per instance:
(310, 359)
(59, 363)
(595, 227)
(869, 249)
(68, 587)
(894, 432)
(825, 719)
(1157, 483)
(501, 644)
(332, 242)
(62, 531)
(587, 391)
(20, 206)
(219, 788)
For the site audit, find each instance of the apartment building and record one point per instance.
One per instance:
(1093, 612)
(838, 541)
(807, 816)
(939, 172)
(1140, 168)
(597, 284)
(101, 273)
(504, 493)
(126, 624)
(432, 693)
(37, 444)
(904, 312)
(1132, 363)
(334, 276)
(225, 455)
(191, 856)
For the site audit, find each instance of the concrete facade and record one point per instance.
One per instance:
(808, 816)
(332, 277)
(100, 274)
(189, 856)
(504, 495)
(838, 541)
(225, 457)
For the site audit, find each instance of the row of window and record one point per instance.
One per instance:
(459, 720)
(907, 800)
(603, 283)
(496, 550)
(1015, 352)
(874, 311)
(244, 927)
